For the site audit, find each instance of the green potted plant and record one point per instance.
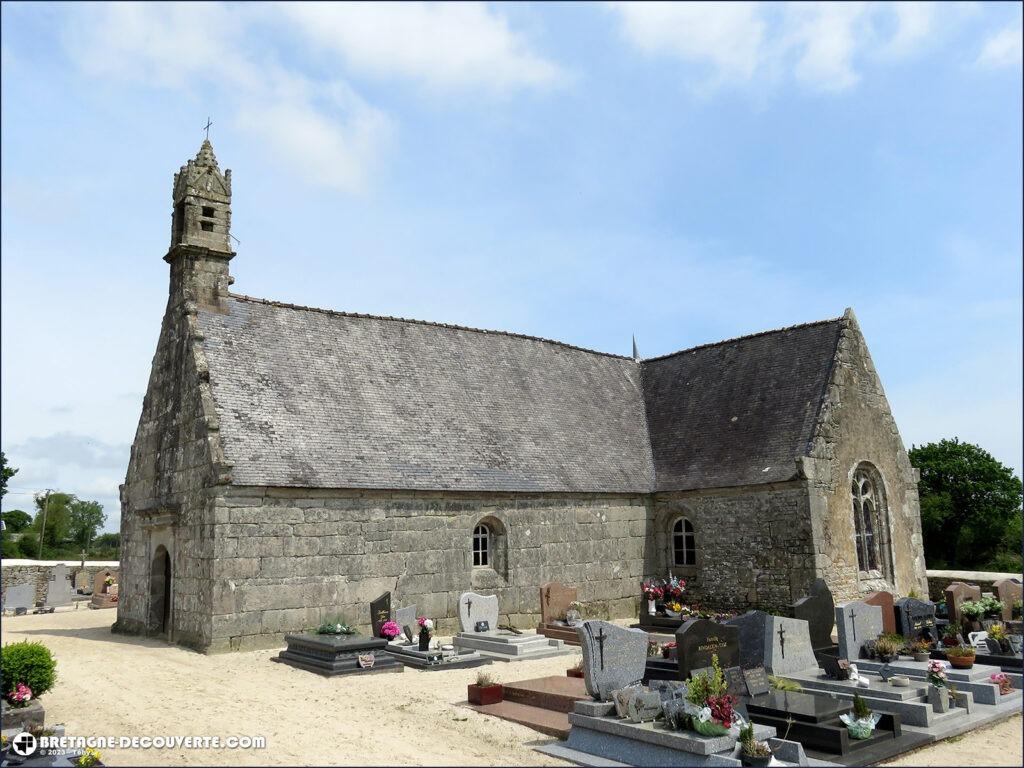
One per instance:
(486, 690)
(710, 704)
(972, 611)
(920, 650)
(992, 608)
(998, 633)
(1018, 606)
(961, 656)
(753, 753)
(861, 723)
(888, 648)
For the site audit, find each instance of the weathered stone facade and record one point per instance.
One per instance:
(295, 463)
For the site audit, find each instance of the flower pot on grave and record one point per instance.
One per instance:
(938, 697)
(652, 607)
(753, 761)
(482, 696)
(961, 662)
(923, 656)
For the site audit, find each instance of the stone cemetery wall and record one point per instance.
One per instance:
(286, 558)
(939, 580)
(175, 457)
(754, 545)
(37, 573)
(855, 426)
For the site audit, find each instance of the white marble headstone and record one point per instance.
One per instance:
(474, 608)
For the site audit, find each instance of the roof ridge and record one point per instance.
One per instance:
(745, 337)
(366, 316)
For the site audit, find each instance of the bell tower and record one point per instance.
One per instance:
(201, 230)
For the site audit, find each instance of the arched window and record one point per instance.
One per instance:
(481, 545)
(684, 543)
(869, 521)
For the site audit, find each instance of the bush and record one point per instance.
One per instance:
(9, 548)
(28, 663)
(29, 544)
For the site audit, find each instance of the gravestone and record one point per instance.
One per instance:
(737, 685)
(915, 619)
(613, 657)
(380, 611)
(103, 595)
(788, 646)
(1016, 642)
(20, 597)
(818, 609)
(885, 601)
(1008, 591)
(58, 587)
(99, 582)
(698, 640)
(478, 613)
(405, 618)
(554, 601)
(955, 594)
(858, 623)
(751, 626)
(757, 681)
(82, 581)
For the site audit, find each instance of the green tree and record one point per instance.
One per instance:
(6, 473)
(85, 518)
(9, 548)
(107, 541)
(57, 514)
(970, 505)
(16, 520)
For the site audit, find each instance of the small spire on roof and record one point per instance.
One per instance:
(636, 352)
(205, 155)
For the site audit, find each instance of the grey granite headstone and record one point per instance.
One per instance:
(752, 634)
(818, 609)
(857, 623)
(474, 608)
(20, 596)
(613, 657)
(405, 618)
(788, 646)
(58, 587)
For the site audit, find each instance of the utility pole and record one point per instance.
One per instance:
(42, 531)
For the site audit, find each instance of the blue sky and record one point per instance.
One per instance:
(687, 173)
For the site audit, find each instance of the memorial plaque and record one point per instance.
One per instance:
(380, 611)
(885, 601)
(482, 626)
(818, 609)
(757, 681)
(475, 608)
(858, 623)
(915, 619)
(736, 682)
(698, 640)
(837, 669)
(554, 601)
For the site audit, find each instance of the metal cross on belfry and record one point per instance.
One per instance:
(782, 640)
(207, 128)
(601, 637)
(853, 623)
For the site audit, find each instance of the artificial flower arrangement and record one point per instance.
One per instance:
(1000, 679)
(667, 648)
(937, 673)
(20, 696)
(862, 722)
(674, 589)
(972, 609)
(998, 633)
(707, 703)
(109, 581)
(389, 630)
(335, 627)
(426, 630)
(652, 590)
(89, 757)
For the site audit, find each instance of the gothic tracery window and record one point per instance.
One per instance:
(869, 521)
(684, 543)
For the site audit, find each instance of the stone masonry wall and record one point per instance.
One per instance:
(39, 573)
(754, 545)
(288, 558)
(175, 461)
(855, 426)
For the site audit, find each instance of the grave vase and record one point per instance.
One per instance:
(938, 698)
(424, 640)
(651, 607)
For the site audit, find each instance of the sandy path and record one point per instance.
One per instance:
(112, 685)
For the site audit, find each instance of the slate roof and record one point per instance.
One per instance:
(737, 412)
(313, 398)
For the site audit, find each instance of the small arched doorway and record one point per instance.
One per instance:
(160, 592)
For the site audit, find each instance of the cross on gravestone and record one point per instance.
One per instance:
(853, 624)
(782, 640)
(601, 637)
(469, 607)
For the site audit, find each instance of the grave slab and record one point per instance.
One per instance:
(335, 655)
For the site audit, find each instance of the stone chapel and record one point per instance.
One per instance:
(292, 463)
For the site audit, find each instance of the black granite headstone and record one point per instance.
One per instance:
(818, 609)
(756, 680)
(380, 611)
(700, 639)
(737, 685)
(915, 618)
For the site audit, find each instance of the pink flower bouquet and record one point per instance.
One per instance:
(389, 630)
(20, 696)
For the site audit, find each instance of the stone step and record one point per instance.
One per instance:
(914, 692)
(977, 673)
(543, 720)
(535, 644)
(977, 683)
(558, 694)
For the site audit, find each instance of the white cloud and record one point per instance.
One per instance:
(819, 45)
(1003, 49)
(442, 45)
